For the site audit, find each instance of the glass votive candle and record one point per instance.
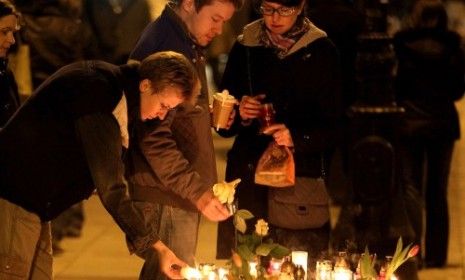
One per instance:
(342, 274)
(324, 270)
(222, 272)
(300, 258)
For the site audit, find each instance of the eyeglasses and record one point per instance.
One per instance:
(165, 107)
(282, 11)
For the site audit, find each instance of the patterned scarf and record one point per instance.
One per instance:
(283, 43)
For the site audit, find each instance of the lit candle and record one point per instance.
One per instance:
(253, 269)
(342, 274)
(275, 266)
(300, 258)
(324, 269)
(188, 272)
(206, 269)
(222, 272)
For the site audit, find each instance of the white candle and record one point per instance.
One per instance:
(342, 274)
(222, 272)
(300, 258)
(190, 273)
(253, 269)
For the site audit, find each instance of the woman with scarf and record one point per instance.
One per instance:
(9, 98)
(283, 59)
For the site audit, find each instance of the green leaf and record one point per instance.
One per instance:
(400, 256)
(367, 265)
(245, 252)
(239, 223)
(399, 246)
(279, 252)
(264, 249)
(244, 214)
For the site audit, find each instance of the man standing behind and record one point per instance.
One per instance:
(67, 140)
(180, 184)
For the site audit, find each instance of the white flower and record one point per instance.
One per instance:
(261, 227)
(225, 191)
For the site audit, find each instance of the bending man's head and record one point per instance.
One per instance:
(166, 80)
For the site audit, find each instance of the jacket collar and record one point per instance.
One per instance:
(178, 24)
(251, 34)
(130, 82)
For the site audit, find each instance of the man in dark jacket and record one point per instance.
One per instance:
(67, 140)
(184, 141)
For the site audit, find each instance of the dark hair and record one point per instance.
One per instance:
(7, 8)
(169, 68)
(429, 13)
(201, 3)
(287, 3)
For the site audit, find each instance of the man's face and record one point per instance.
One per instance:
(156, 105)
(207, 23)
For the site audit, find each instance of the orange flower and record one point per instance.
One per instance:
(236, 259)
(414, 251)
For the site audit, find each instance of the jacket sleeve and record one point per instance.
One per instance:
(167, 161)
(101, 140)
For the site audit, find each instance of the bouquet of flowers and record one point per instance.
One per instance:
(401, 255)
(246, 257)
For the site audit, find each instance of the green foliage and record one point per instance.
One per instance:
(239, 219)
(367, 266)
(251, 247)
(400, 256)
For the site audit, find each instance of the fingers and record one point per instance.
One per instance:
(215, 211)
(173, 273)
(269, 130)
(249, 107)
(281, 134)
(169, 263)
(231, 118)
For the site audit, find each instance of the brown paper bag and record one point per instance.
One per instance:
(276, 167)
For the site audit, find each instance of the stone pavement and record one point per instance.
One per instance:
(101, 254)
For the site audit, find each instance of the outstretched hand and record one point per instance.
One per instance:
(168, 261)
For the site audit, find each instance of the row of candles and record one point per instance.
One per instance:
(276, 270)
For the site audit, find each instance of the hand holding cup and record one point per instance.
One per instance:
(223, 109)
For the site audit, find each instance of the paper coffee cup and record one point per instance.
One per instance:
(223, 104)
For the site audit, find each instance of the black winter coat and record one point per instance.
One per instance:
(430, 78)
(304, 88)
(9, 98)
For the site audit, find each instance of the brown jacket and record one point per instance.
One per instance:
(170, 163)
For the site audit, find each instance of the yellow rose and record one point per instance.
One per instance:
(261, 227)
(225, 191)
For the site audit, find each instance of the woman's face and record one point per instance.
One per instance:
(279, 18)
(8, 26)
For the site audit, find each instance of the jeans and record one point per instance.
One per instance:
(25, 244)
(178, 229)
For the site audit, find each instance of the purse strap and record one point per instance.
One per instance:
(249, 72)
